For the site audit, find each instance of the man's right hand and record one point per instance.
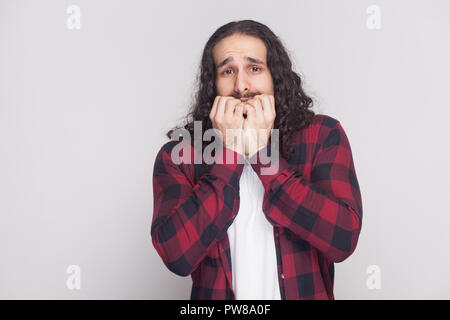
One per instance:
(227, 116)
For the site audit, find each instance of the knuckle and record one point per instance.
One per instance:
(230, 101)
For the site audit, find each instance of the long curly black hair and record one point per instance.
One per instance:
(292, 105)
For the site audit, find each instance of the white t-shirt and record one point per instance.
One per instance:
(252, 244)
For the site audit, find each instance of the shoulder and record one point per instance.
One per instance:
(182, 148)
(324, 121)
(181, 157)
(318, 129)
(168, 146)
(161, 162)
(165, 151)
(329, 131)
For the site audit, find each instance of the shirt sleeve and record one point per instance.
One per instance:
(189, 219)
(325, 210)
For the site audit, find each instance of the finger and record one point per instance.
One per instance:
(214, 108)
(221, 107)
(272, 99)
(246, 106)
(251, 112)
(267, 108)
(239, 110)
(256, 103)
(230, 106)
(239, 113)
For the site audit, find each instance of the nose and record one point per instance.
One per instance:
(242, 84)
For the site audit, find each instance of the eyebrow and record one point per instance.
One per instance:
(230, 59)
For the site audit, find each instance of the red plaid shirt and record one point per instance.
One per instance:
(313, 202)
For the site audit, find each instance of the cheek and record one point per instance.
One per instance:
(217, 83)
(222, 88)
(269, 84)
(264, 84)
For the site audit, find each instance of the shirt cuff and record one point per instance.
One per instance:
(268, 166)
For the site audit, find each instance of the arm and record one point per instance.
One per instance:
(325, 211)
(188, 220)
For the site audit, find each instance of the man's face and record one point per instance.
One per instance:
(241, 67)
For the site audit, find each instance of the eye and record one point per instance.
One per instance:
(256, 68)
(225, 72)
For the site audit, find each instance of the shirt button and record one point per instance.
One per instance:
(282, 276)
(277, 234)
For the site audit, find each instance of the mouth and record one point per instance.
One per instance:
(244, 99)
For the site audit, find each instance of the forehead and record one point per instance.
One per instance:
(239, 45)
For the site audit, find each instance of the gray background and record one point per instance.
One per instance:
(83, 114)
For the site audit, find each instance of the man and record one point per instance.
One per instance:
(239, 233)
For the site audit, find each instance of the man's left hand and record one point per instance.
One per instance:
(259, 123)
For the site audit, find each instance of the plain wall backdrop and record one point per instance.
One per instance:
(83, 113)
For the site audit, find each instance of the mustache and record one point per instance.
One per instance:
(248, 95)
